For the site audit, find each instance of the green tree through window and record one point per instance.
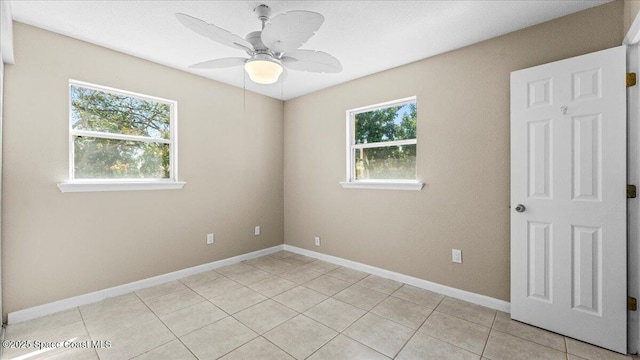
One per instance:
(384, 143)
(119, 136)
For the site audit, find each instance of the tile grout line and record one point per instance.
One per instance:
(180, 340)
(538, 344)
(454, 316)
(486, 342)
(406, 343)
(112, 311)
(461, 318)
(274, 344)
(87, 330)
(444, 341)
(358, 319)
(326, 342)
(345, 329)
(493, 323)
(239, 346)
(166, 327)
(178, 337)
(396, 322)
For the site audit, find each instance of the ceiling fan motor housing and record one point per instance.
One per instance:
(263, 12)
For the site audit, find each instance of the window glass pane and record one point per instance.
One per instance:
(97, 158)
(388, 124)
(383, 163)
(95, 110)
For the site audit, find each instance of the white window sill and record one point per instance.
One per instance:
(119, 186)
(383, 185)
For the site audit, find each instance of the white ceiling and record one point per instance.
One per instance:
(366, 36)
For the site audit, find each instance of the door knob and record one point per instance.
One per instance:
(520, 208)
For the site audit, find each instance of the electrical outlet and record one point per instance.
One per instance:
(456, 256)
(256, 230)
(317, 240)
(210, 239)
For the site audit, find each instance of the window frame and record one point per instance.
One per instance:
(107, 184)
(379, 184)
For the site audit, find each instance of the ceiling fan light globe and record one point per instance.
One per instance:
(263, 71)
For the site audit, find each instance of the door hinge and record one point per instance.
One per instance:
(631, 192)
(631, 79)
(632, 303)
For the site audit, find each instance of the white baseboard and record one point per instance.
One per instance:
(474, 298)
(85, 299)
(65, 304)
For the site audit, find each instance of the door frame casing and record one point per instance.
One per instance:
(633, 207)
(632, 40)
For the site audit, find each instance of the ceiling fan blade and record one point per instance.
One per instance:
(214, 33)
(219, 63)
(288, 31)
(312, 61)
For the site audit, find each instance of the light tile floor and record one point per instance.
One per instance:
(289, 306)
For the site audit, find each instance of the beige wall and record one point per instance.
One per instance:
(631, 9)
(463, 158)
(59, 245)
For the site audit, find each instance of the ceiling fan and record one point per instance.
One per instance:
(275, 46)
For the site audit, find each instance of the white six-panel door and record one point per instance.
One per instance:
(568, 197)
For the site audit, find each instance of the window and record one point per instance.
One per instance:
(381, 146)
(119, 140)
